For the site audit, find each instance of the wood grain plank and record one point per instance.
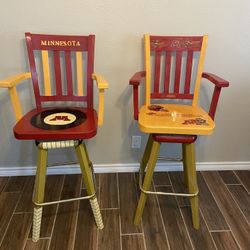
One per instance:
(161, 178)
(176, 231)
(177, 181)
(42, 244)
(225, 240)
(17, 232)
(63, 236)
(242, 198)
(109, 237)
(15, 184)
(8, 203)
(201, 238)
(128, 203)
(244, 178)
(86, 230)
(229, 177)
(108, 191)
(235, 219)
(3, 182)
(25, 203)
(155, 236)
(210, 210)
(135, 242)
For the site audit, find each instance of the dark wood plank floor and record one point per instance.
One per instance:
(166, 224)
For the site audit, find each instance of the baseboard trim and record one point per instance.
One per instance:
(119, 168)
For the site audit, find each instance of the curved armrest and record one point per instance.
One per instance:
(11, 83)
(135, 81)
(101, 85)
(219, 83)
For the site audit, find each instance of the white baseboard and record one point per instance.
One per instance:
(119, 168)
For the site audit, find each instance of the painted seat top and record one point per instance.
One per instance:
(175, 119)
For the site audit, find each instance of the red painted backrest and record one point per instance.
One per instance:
(62, 49)
(172, 58)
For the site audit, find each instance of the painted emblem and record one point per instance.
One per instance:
(61, 118)
(196, 121)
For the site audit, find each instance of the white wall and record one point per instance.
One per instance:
(119, 27)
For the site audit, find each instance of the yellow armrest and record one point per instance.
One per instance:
(14, 80)
(101, 84)
(11, 83)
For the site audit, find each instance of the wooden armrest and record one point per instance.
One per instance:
(136, 78)
(101, 84)
(14, 80)
(219, 82)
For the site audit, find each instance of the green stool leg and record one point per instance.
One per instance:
(83, 158)
(147, 180)
(184, 159)
(192, 182)
(39, 192)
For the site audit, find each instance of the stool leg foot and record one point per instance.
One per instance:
(147, 181)
(192, 182)
(85, 165)
(37, 219)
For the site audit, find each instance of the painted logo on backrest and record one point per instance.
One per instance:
(61, 118)
(59, 43)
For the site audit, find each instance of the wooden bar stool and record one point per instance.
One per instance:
(176, 63)
(59, 67)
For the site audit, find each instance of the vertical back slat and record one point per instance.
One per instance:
(167, 72)
(188, 72)
(57, 68)
(46, 73)
(157, 71)
(177, 72)
(68, 73)
(79, 73)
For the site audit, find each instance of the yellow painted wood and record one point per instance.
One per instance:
(14, 80)
(82, 155)
(46, 72)
(79, 73)
(15, 103)
(40, 175)
(192, 182)
(184, 157)
(199, 70)
(101, 82)
(147, 68)
(147, 151)
(147, 181)
(171, 121)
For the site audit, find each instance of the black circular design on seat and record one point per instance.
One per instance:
(57, 119)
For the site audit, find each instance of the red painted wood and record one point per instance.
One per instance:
(215, 79)
(174, 138)
(90, 70)
(167, 71)
(177, 72)
(171, 96)
(157, 71)
(214, 102)
(26, 131)
(136, 78)
(63, 98)
(136, 98)
(175, 43)
(68, 73)
(58, 78)
(58, 42)
(188, 72)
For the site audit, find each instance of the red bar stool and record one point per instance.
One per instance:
(60, 65)
(173, 70)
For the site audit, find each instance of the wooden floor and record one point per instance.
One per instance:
(224, 214)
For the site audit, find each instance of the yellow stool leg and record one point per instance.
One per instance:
(39, 192)
(184, 159)
(192, 182)
(147, 181)
(146, 154)
(85, 165)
